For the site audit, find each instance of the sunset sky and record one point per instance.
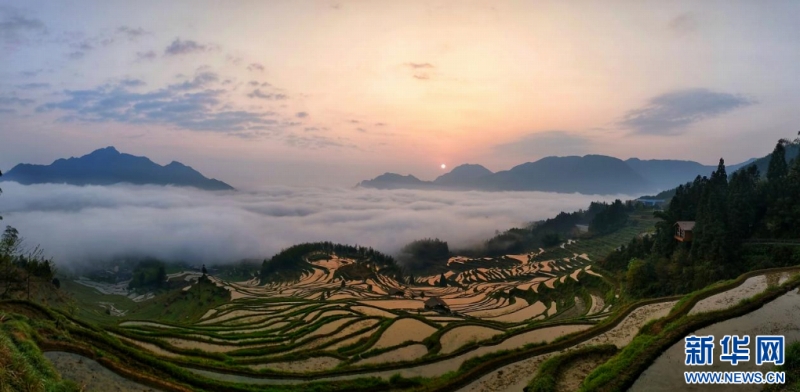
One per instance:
(333, 92)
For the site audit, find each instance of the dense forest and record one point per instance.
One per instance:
(149, 274)
(292, 262)
(743, 221)
(420, 255)
(601, 218)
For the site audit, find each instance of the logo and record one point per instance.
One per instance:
(735, 349)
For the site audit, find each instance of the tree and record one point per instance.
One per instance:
(712, 240)
(611, 218)
(777, 162)
(745, 203)
(442, 281)
(10, 243)
(780, 194)
(551, 239)
(422, 254)
(161, 276)
(640, 278)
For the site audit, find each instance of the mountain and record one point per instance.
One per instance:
(792, 151)
(665, 173)
(463, 176)
(394, 181)
(590, 174)
(108, 166)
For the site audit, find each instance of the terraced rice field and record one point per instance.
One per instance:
(325, 324)
(276, 326)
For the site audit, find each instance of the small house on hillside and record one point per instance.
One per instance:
(683, 231)
(436, 304)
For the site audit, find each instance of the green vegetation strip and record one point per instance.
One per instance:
(63, 334)
(621, 371)
(552, 369)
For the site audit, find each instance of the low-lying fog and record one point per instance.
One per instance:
(74, 223)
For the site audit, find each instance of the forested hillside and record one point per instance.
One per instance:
(743, 222)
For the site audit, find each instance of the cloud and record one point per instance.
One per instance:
(132, 33)
(257, 93)
(684, 23)
(81, 46)
(89, 223)
(420, 65)
(546, 143)
(32, 86)
(132, 82)
(672, 112)
(16, 28)
(315, 142)
(196, 104)
(255, 67)
(179, 47)
(13, 100)
(301, 115)
(31, 73)
(149, 55)
(421, 71)
(200, 80)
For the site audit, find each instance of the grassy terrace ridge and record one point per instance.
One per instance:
(599, 246)
(552, 369)
(59, 332)
(613, 381)
(621, 371)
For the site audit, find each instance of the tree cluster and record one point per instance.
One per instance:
(20, 268)
(290, 263)
(148, 274)
(727, 211)
(610, 218)
(421, 254)
(602, 219)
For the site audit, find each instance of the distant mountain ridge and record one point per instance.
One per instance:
(666, 173)
(589, 174)
(107, 166)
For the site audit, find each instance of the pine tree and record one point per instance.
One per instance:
(779, 198)
(745, 203)
(161, 277)
(712, 242)
(777, 163)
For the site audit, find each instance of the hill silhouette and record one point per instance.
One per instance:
(107, 166)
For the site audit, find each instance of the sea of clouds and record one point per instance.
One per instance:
(89, 223)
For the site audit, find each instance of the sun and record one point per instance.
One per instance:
(444, 166)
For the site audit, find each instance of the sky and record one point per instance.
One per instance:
(329, 93)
